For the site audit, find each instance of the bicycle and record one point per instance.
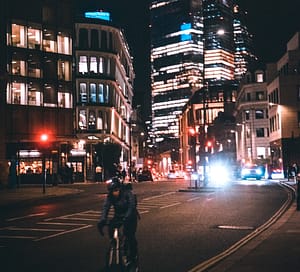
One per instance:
(118, 251)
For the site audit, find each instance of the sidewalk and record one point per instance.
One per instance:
(277, 249)
(32, 192)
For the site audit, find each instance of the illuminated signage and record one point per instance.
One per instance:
(97, 15)
(186, 32)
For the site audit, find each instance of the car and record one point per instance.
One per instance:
(252, 171)
(144, 175)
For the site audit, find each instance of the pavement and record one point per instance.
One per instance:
(275, 247)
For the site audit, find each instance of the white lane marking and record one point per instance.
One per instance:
(61, 224)
(62, 233)
(16, 237)
(293, 231)
(157, 196)
(171, 205)
(34, 229)
(141, 212)
(194, 198)
(235, 227)
(26, 216)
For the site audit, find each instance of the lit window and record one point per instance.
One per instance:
(93, 93)
(93, 65)
(18, 37)
(83, 93)
(83, 64)
(64, 44)
(49, 41)
(82, 119)
(34, 38)
(259, 77)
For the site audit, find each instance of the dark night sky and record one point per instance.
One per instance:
(271, 22)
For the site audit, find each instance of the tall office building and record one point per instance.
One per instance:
(176, 60)
(244, 56)
(191, 40)
(219, 43)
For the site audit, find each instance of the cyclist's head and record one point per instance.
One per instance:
(114, 186)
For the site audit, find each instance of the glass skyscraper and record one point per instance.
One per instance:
(176, 60)
(193, 43)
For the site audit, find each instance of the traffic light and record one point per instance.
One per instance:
(44, 142)
(209, 146)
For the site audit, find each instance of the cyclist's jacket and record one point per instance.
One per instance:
(124, 205)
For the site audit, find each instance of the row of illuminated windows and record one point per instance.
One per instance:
(37, 67)
(99, 92)
(93, 119)
(93, 64)
(93, 93)
(103, 40)
(21, 93)
(34, 37)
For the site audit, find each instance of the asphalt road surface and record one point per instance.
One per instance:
(179, 229)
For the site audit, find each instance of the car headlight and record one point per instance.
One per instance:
(258, 171)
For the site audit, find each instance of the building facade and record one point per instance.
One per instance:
(193, 44)
(66, 86)
(176, 61)
(104, 78)
(252, 119)
(36, 93)
(283, 79)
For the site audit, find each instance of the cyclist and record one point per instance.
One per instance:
(124, 203)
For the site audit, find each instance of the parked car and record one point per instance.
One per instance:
(252, 171)
(144, 175)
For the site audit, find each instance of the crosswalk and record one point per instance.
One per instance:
(22, 229)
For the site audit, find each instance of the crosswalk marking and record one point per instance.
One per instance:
(78, 221)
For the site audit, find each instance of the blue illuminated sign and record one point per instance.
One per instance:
(185, 28)
(97, 15)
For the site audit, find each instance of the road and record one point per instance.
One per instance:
(178, 229)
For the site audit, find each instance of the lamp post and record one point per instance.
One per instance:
(44, 142)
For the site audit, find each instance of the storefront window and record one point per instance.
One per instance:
(34, 38)
(18, 37)
(83, 64)
(64, 44)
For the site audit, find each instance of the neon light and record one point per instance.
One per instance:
(97, 15)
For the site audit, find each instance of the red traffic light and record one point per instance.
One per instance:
(209, 144)
(44, 137)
